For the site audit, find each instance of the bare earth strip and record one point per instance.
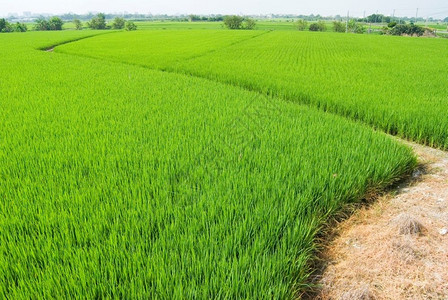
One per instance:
(398, 247)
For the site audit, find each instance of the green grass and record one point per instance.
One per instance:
(117, 181)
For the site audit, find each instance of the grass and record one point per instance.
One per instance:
(118, 181)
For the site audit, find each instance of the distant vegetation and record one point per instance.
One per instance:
(99, 23)
(54, 23)
(5, 26)
(338, 26)
(78, 24)
(130, 26)
(118, 23)
(301, 24)
(238, 22)
(196, 18)
(355, 27)
(405, 29)
(319, 26)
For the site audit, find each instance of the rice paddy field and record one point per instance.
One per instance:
(198, 163)
(394, 84)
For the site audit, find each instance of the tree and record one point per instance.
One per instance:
(445, 20)
(42, 25)
(5, 26)
(20, 27)
(118, 23)
(338, 26)
(233, 22)
(392, 24)
(55, 23)
(249, 23)
(98, 22)
(355, 27)
(2, 24)
(78, 24)
(301, 24)
(375, 18)
(314, 27)
(130, 26)
(319, 26)
(410, 29)
(194, 18)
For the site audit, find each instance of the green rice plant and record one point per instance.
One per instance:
(158, 49)
(117, 181)
(394, 84)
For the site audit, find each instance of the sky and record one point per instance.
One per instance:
(427, 8)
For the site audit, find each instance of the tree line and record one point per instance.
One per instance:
(5, 26)
(353, 26)
(98, 22)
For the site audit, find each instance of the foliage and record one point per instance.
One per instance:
(408, 29)
(355, 27)
(118, 23)
(237, 22)
(319, 26)
(378, 18)
(20, 27)
(314, 27)
(78, 24)
(130, 26)
(301, 24)
(194, 18)
(55, 23)
(233, 22)
(5, 26)
(149, 185)
(249, 23)
(41, 25)
(392, 24)
(97, 22)
(338, 26)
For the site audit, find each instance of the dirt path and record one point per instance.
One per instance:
(398, 247)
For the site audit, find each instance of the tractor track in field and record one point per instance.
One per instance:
(375, 256)
(369, 258)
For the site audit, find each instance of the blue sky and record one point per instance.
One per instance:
(427, 8)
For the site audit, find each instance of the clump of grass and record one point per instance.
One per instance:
(407, 224)
(359, 293)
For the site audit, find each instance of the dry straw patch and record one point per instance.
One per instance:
(395, 249)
